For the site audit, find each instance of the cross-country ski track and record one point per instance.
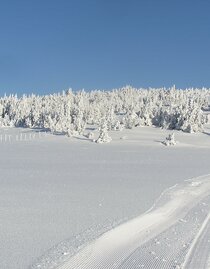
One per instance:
(174, 233)
(198, 255)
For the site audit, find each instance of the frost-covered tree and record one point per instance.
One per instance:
(170, 140)
(131, 119)
(103, 135)
(118, 126)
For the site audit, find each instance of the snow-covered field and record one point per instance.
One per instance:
(61, 197)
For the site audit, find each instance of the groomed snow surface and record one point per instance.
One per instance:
(134, 203)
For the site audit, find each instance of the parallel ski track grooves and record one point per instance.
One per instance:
(169, 248)
(124, 247)
(199, 252)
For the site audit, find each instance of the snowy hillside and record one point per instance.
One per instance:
(69, 113)
(70, 203)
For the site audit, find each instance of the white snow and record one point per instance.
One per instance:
(58, 195)
(195, 261)
(116, 246)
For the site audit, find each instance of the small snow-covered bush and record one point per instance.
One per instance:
(170, 140)
(118, 126)
(90, 135)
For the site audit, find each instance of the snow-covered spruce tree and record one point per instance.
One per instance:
(131, 119)
(78, 122)
(70, 132)
(103, 135)
(194, 120)
(111, 118)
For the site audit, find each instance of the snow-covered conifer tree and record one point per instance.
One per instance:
(170, 140)
(103, 135)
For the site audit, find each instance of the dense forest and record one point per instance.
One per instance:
(71, 112)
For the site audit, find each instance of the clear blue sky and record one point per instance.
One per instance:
(51, 45)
